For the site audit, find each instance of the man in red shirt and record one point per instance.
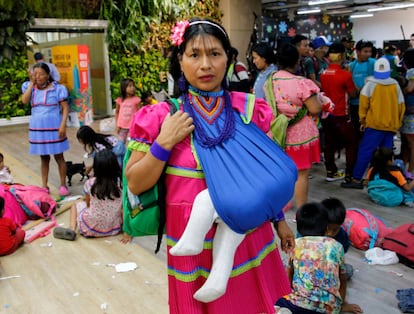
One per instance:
(338, 86)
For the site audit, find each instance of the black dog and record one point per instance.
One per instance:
(72, 169)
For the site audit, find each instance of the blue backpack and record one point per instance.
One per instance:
(386, 193)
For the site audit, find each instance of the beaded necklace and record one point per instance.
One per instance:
(209, 106)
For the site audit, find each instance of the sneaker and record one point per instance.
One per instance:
(339, 175)
(349, 270)
(63, 191)
(353, 184)
(64, 233)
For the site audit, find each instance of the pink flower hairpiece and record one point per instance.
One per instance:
(177, 35)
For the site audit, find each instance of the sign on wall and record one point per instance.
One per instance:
(73, 63)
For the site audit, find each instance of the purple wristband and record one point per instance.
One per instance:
(280, 216)
(159, 152)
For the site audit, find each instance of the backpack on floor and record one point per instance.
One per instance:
(364, 229)
(12, 208)
(401, 241)
(35, 201)
(384, 192)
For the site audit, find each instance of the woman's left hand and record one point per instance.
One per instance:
(287, 238)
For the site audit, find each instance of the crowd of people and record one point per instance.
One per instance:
(227, 180)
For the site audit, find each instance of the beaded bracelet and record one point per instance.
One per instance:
(159, 152)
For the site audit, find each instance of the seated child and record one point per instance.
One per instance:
(316, 267)
(382, 167)
(100, 215)
(148, 99)
(226, 241)
(5, 174)
(94, 142)
(336, 217)
(11, 236)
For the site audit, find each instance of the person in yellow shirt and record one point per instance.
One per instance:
(381, 112)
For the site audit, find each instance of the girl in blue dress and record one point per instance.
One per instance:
(47, 126)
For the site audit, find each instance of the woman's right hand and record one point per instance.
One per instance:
(30, 73)
(174, 129)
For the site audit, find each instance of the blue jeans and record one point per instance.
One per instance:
(371, 140)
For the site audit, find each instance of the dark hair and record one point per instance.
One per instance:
(194, 30)
(38, 56)
(390, 49)
(108, 175)
(380, 53)
(90, 138)
(361, 44)
(124, 85)
(409, 58)
(336, 210)
(265, 51)
(145, 95)
(337, 47)
(287, 56)
(233, 52)
(380, 165)
(44, 67)
(297, 39)
(1, 156)
(312, 219)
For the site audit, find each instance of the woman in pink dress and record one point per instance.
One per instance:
(295, 94)
(159, 139)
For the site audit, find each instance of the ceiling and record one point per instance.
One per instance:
(339, 7)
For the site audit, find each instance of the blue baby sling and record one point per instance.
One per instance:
(249, 177)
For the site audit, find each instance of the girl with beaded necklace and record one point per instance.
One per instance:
(214, 140)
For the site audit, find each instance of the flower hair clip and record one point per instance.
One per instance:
(177, 35)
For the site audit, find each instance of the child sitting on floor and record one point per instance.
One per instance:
(11, 236)
(336, 217)
(317, 267)
(5, 173)
(94, 142)
(387, 184)
(100, 215)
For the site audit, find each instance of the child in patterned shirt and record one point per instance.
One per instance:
(100, 215)
(317, 267)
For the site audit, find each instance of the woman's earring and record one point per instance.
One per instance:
(182, 83)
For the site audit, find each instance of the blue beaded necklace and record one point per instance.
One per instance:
(200, 101)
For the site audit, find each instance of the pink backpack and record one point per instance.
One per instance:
(12, 208)
(364, 229)
(35, 201)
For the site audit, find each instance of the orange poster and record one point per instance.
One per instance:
(73, 64)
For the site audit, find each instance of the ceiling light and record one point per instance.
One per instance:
(309, 11)
(356, 16)
(317, 2)
(394, 7)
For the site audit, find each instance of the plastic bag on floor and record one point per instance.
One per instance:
(378, 256)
